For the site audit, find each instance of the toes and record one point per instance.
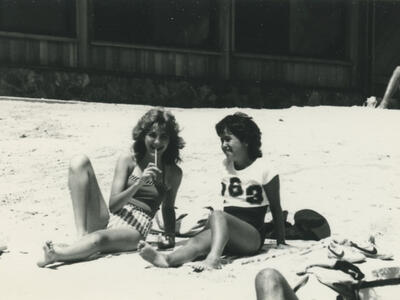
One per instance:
(198, 269)
(141, 245)
(50, 246)
(40, 264)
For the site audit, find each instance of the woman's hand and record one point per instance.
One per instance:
(150, 173)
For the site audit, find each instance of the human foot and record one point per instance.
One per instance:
(151, 255)
(49, 256)
(210, 263)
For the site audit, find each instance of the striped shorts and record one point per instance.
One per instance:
(131, 216)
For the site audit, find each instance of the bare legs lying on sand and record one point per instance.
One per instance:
(224, 232)
(271, 285)
(91, 219)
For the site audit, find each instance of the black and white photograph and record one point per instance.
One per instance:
(199, 149)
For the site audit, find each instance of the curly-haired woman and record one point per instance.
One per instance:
(145, 178)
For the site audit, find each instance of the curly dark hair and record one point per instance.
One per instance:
(166, 120)
(245, 129)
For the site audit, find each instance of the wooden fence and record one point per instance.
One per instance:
(84, 54)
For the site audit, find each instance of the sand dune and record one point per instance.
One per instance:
(342, 162)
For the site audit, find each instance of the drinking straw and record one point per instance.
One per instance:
(155, 157)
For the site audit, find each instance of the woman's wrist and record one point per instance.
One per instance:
(170, 236)
(167, 241)
(280, 242)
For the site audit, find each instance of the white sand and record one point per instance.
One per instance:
(342, 162)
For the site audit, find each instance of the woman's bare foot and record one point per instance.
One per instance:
(49, 255)
(151, 255)
(210, 263)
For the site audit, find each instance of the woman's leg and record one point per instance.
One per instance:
(90, 209)
(232, 234)
(102, 241)
(224, 231)
(196, 246)
(270, 284)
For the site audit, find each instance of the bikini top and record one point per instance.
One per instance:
(150, 195)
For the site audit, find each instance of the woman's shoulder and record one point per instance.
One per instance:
(173, 175)
(264, 163)
(267, 168)
(127, 158)
(173, 170)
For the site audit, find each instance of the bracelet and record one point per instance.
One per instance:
(169, 235)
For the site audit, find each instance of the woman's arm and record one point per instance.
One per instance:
(120, 195)
(272, 189)
(168, 205)
(392, 87)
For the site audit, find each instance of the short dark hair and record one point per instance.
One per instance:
(245, 129)
(166, 120)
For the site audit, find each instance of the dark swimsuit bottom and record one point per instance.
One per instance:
(251, 215)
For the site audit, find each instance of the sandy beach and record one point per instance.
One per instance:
(343, 162)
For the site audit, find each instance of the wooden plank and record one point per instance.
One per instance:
(213, 65)
(108, 59)
(299, 71)
(31, 52)
(192, 66)
(292, 59)
(179, 64)
(124, 60)
(37, 37)
(256, 70)
(16, 54)
(163, 63)
(143, 62)
(72, 57)
(309, 75)
(266, 71)
(154, 48)
(150, 62)
(338, 77)
(288, 69)
(326, 75)
(43, 52)
(116, 60)
(132, 63)
(138, 59)
(158, 63)
(279, 71)
(4, 45)
(171, 64)
(98, 58)
(53, 53)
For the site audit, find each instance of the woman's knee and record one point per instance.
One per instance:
(79, 163)
(217, 216)
(199, 245)
(269, 279)
(100, 240)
